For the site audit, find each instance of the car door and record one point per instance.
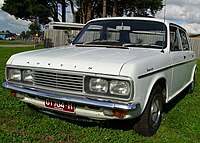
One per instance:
(179, 60)
(190, 55)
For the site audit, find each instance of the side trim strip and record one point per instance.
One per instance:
(163, 69)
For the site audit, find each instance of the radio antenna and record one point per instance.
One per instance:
(165, 10)
(164, 42)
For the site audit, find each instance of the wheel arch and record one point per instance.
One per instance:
(162, 82)
(194, 72)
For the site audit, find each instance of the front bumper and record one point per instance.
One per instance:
(102, 112)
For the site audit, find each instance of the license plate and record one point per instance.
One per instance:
(59, 105)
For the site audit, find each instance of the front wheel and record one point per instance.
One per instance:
(150, 120)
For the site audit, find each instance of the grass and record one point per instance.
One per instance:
(18, 123)
(6, 42)
(18, 42)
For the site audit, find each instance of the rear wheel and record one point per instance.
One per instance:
(150, 120)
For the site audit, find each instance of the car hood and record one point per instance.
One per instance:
(83, 59)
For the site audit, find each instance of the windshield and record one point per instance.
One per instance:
(128, 33)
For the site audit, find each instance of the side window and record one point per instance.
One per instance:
(174, 39)
(184, 40)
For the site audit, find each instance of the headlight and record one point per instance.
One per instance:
(27, 76)
(119, 87)
(98, 85)
(14, 74)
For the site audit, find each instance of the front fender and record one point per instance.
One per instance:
(153, 80)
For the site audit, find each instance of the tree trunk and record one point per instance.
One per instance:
(63, 11)
(114, 13)
(89, 11)
(54, 11)
(104, 8)
(84, 10)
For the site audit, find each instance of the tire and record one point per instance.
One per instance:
(150, 120)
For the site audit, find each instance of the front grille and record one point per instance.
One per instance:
(58, 81)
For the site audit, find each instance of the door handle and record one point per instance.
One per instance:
(184, 57)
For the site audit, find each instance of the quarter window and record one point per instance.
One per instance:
(174, 39)
(184, 40)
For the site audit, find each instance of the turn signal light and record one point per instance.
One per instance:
(116, 113)
(119, 113)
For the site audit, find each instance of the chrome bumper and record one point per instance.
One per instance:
(129, 107)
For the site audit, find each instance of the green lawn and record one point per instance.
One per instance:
(18, 42)
(6, 42)
(18, 123)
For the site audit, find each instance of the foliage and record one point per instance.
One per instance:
(181, 121)
(28, 9)
(89, 9)
(25, 35)
(34, 28)
(141, 7)
(33, 9)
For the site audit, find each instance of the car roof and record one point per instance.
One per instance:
(129, 18)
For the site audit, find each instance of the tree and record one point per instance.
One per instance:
(18, 9)
(114, 10)
(28, 9)
(141, 7)
(89, 9)
(63, 3)
(36, 9)
(7, 31)
(104, 8)
(34, 28)
(53, 7)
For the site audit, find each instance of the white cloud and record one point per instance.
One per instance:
(182, 2)
(192, 27)
(1, 3)
(8, 22)
(185, 12)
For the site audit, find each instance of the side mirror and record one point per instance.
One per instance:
(70, 40)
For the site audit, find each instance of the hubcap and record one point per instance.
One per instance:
(155, 112)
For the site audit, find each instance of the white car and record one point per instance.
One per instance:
(116, 68)
(10, 38)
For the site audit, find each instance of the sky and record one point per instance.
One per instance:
(8, 22)
(183, 12)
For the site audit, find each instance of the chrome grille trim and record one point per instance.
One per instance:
(64, 92)
(58, 81)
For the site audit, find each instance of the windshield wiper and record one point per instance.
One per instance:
(99, 45)
(143, 45)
